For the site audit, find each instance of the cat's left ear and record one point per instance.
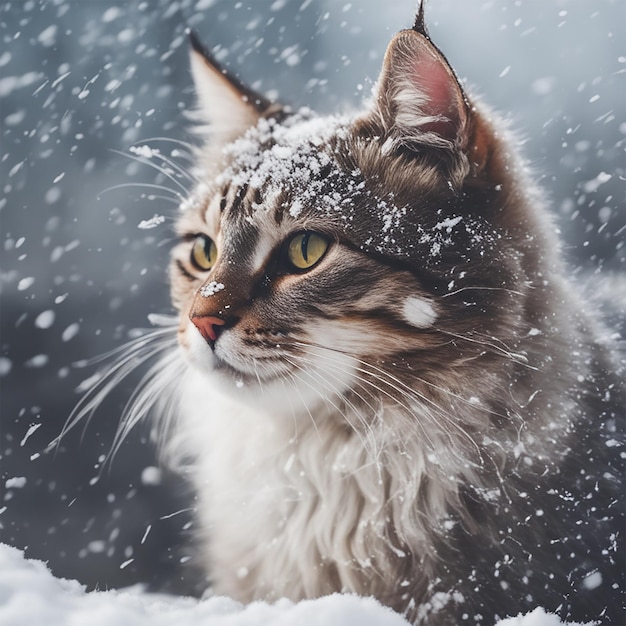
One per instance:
(418, 97)
(227, 105)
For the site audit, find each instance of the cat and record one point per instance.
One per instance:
(384, 383)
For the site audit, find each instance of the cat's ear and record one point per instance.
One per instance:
(227, 105)
(418, 97)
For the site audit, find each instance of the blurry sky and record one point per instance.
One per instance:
(83, 80)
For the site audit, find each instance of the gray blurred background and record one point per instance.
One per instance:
(82, 79)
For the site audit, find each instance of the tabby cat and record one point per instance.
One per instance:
(387, 384)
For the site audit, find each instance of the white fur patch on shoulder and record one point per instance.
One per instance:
(419, 312)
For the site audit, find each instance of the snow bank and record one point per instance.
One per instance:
(30, 596)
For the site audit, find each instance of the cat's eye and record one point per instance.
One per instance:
(306, 249)
(203, 253)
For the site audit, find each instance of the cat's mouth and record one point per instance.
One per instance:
(285, 373)
(246, 370)
(237, 359)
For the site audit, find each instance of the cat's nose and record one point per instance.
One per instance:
(208, 325)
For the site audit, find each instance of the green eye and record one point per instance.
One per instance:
(306, 249)
(203, 253)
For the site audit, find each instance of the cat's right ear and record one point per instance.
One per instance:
(227, 105)
(418, 97)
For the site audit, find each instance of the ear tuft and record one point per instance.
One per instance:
(419, 25)
(227, 105)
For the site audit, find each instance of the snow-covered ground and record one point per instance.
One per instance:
(30, 596)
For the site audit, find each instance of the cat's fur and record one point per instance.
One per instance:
(428, 414)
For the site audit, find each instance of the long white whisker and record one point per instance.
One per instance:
(293, 409)
(364, 381)
(310, 361)
(153, 196)
(325, 398)
(133, 354)
(175, 166)
(185, 144)
(402, 388)
(366, 428)
(452, 293)
(145, 338)
(306, 406)
(256, 373)
(159, 168)
(516, 357)
(149, 393)
(179, 197)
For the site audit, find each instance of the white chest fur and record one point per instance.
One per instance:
(297, 505)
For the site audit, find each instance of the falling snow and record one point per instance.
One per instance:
(151, 476)
(81, 83)
(5, 365)
(45, 319)
(153, 222)
(25, 283)
(16, 482)
(47, 37)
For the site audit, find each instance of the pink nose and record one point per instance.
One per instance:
(205, 324)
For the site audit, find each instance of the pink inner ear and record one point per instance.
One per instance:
(436, 83)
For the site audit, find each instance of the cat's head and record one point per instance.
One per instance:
(326, 256)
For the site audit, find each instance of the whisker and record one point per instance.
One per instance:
(256, 373)
(421, 380)
(125, 360)
(334, 389)
(518, 358)
(460, 290)
(185, 144)
(155, 166)
(133, 344)
(399, 386)
(364, 381)
(315, 371)
(165, 198)
(366, 434)
(147, 395)
(325, 398)
(293, 378)
(176, 167)
(293, 408)
(179, 197)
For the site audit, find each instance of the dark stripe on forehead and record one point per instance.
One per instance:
(249, 199)
(240, 196)
(257, 197)
(326, 178)
(224, 197)
(283, 203)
